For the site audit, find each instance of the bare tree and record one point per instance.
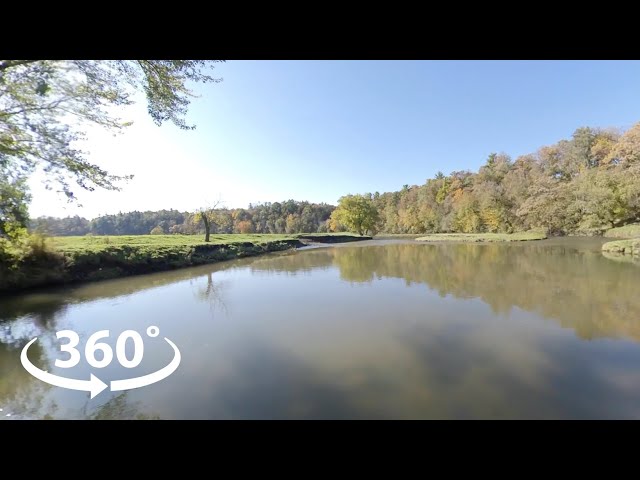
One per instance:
(208, 217)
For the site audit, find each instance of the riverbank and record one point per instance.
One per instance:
(627, 247)
(628, 231)
(630, 245)
(67, 260)
(483, 237)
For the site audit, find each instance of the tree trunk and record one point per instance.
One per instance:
(207, 228)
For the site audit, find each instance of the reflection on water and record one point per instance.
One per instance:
(376, 330)
(577, 287)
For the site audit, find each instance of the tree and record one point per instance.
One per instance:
(582, 144)
(223, 221)
(293, 223)
(245, 226)
(14, 198)
(44, 105)
(280, 225)
(627, 150)
(547, 205)
(157, 231)
(356, 212)
(207, 216)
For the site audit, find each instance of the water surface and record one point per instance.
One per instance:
(379, 329)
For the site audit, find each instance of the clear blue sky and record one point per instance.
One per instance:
(315, 130)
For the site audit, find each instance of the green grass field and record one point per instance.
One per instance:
(483, 237)
(101, 243)
(628, 231)
(73, 259)
(98, 243)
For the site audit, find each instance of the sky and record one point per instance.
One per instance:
(317, 130)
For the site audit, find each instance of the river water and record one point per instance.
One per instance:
(379, 329)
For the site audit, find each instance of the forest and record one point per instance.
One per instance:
(278, 217)
(583, 185)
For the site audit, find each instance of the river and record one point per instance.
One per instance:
(383, 329)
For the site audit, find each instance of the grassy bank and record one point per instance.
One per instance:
(630, 246)
(483, 237)
(154, 242)
(628, 231)
(398, 236)
(78, 259)
(627, 247)
(149, 243)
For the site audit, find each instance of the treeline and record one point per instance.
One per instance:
(278, 217)
(583, 185)
(131, 223)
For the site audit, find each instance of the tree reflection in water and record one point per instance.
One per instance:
(577, 287)
(212, 294)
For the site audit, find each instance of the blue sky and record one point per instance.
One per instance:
(316, 130)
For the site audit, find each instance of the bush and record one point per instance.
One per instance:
(28, 261)
(26, 247)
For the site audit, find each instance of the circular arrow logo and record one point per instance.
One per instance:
(94, 385)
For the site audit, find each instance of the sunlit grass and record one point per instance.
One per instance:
(628, 247)
(96, 243)
(628, 231)
(483, 237)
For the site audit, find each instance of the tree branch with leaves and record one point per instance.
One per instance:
(46, 104)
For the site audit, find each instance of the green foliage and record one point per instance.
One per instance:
(37, 98)
(14, 198)
(20, 254)
(262, 218)
(584, 185)
(357, 213)
(157, 231)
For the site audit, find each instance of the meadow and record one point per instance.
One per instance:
(99, 243)
(61, 260)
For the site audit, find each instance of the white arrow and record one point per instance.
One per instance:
(94, 385)
(154, 377)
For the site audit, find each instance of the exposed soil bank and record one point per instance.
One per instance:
(125, 260)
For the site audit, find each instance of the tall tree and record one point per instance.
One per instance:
(45, 105)
(357, 213)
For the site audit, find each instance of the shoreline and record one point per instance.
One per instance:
(482, 237)
(629, 247)
(62, 268)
